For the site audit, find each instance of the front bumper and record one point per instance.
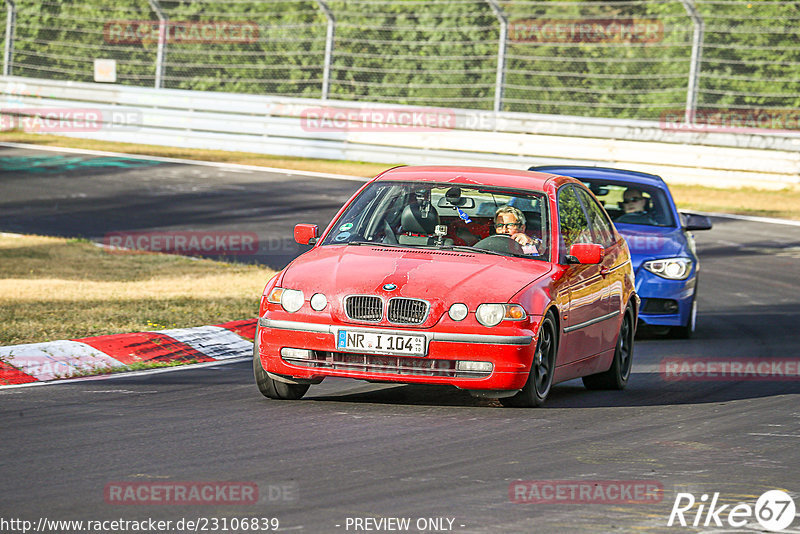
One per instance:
(510, 352)
(650, 287)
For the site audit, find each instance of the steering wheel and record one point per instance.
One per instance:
(502, 243)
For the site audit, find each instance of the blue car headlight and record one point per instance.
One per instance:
(670, 268)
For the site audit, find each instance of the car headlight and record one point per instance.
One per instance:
(492, 314)
(670, 268)
(318, 301)
(458, 311)
(290, 300)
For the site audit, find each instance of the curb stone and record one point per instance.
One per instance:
(51, 360)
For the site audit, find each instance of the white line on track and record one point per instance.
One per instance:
(750, 218)
(237, 167)
(129, 374)
(230, 166)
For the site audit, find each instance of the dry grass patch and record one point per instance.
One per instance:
(53, 288)
(782, 204)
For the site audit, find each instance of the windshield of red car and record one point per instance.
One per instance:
(420, 214)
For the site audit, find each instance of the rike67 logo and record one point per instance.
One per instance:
(774, 511)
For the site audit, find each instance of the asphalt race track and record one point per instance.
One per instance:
(357, 451)
(75, 195)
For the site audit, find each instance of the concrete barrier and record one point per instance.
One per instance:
(391, 134)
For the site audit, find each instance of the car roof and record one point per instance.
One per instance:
(606, 173)
(487, 176)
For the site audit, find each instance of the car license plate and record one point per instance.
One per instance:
(380, 343)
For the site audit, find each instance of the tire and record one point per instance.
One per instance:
(540, 378)
(617, 376)
(271, 388)
(686, 331)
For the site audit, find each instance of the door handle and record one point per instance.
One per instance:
(604, 271)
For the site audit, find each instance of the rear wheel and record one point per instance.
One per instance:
(540, 379)
(269, 387)
(617, 376)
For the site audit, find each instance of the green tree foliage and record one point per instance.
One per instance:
(751, 55)
(625, 59)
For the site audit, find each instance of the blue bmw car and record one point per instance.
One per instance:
(659, 238)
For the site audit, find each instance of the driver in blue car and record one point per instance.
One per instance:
(634, 204)
(510, 221)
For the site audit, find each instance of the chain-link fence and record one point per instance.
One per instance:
(639, 59)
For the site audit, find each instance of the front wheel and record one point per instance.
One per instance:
(540, 379)
(269, 387)
(617, 376)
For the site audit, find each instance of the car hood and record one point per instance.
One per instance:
(652, 242)
(440, 277)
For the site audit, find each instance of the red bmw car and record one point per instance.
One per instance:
(499, 282)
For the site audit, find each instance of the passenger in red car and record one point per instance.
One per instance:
(511, 221)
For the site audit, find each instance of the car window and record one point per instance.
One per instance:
(652, 210)
(422, 214)
(574, 224)
(601, 227)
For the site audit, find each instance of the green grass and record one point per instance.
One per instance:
(54, 288)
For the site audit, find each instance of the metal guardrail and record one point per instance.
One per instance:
(318, 129)
(499, 13)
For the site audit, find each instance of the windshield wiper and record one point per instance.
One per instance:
(376, 244)
(464, 248)
(457, 248)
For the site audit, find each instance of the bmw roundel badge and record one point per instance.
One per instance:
(389, 287)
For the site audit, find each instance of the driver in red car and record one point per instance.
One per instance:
(510, 221)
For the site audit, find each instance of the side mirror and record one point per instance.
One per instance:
(306, 234)
(586, 253)
(696, 222)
